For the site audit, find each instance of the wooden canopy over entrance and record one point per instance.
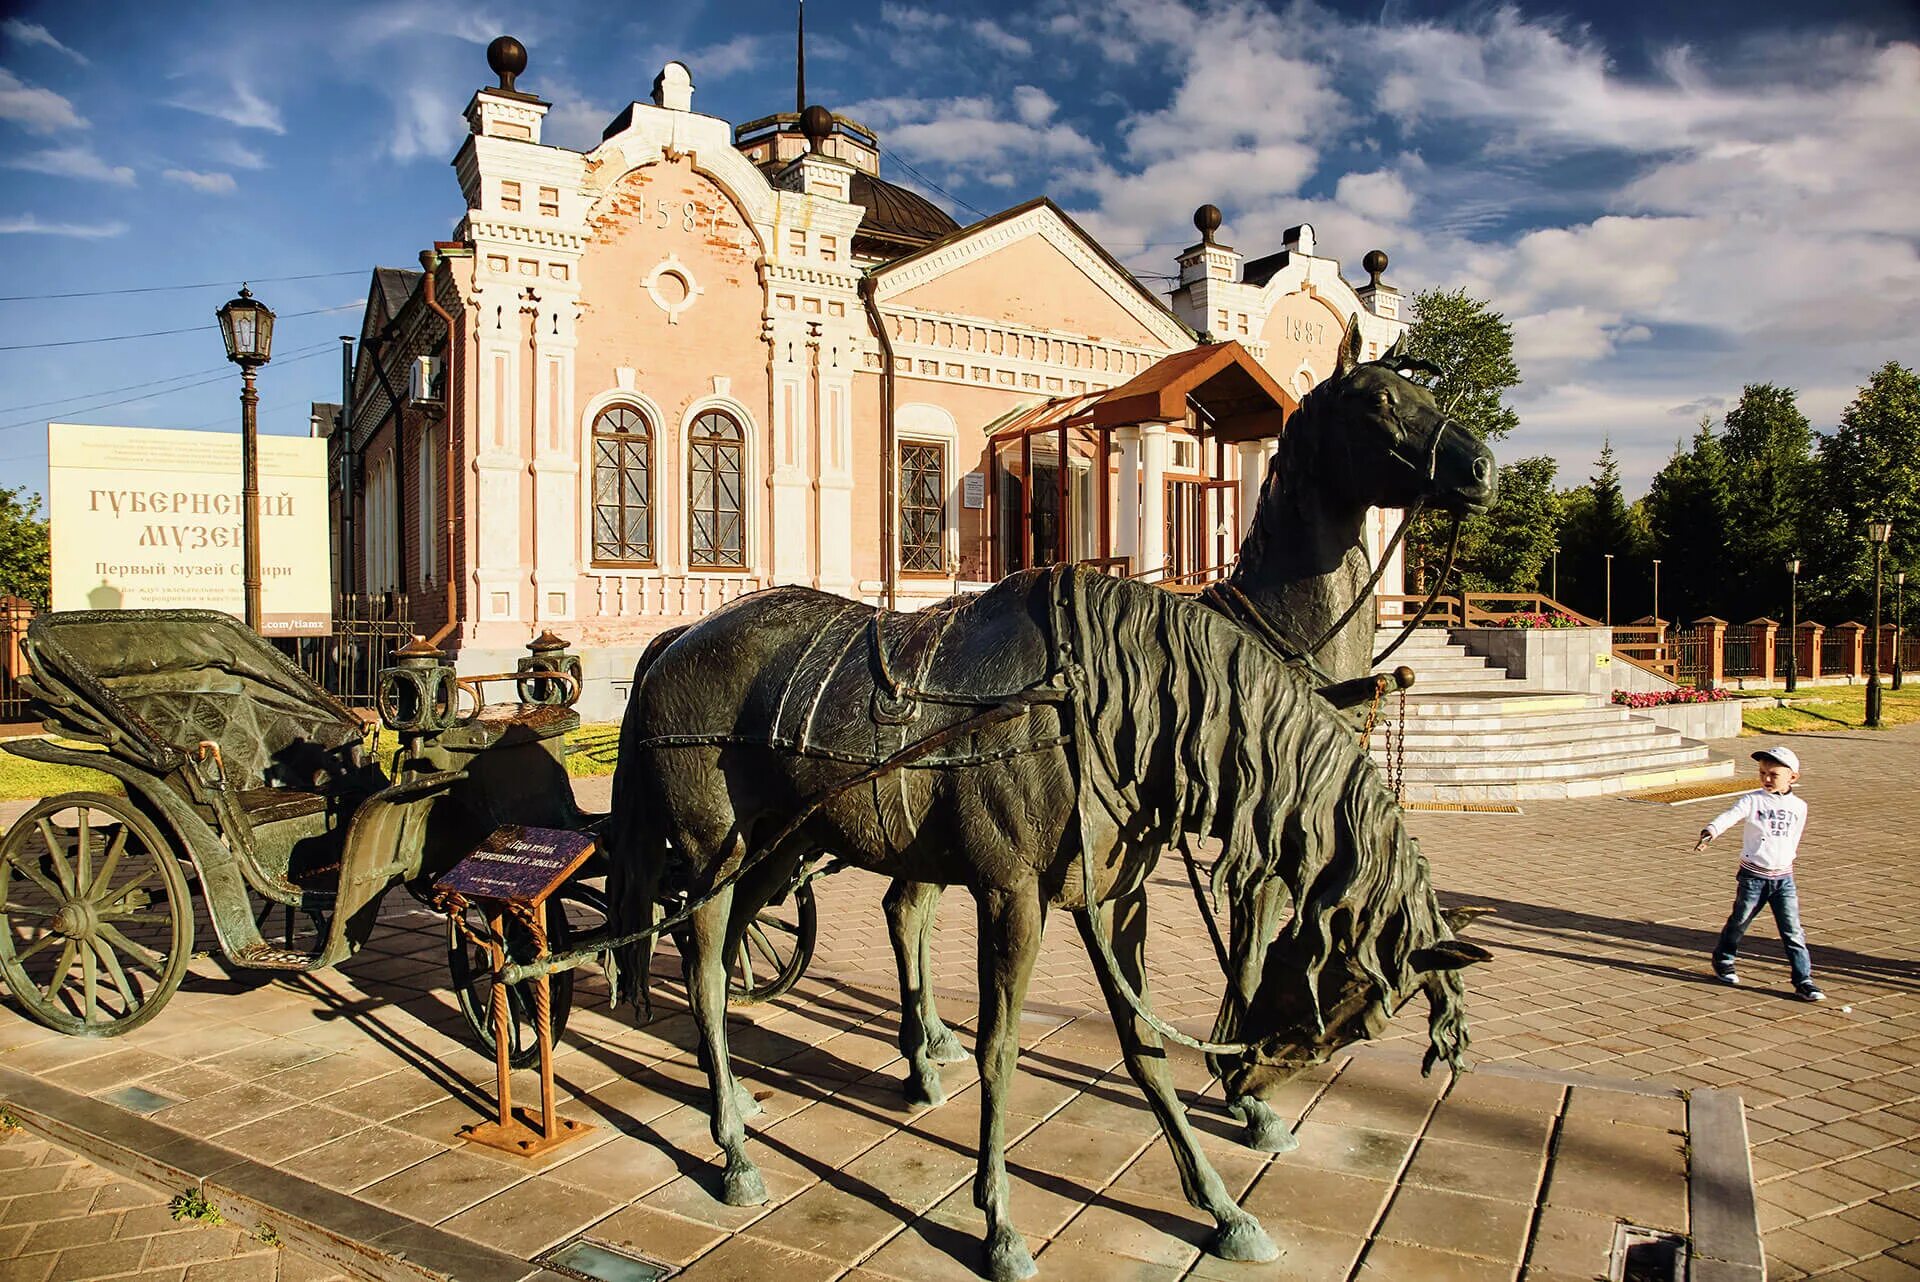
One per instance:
(1231, 400)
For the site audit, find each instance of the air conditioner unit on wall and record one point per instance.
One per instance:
(425, 381)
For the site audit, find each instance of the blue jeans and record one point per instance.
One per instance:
(1750, 894)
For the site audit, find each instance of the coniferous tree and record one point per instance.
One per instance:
(1869, 470)
(1688, 508)
(1771, 480)
(1598, 523)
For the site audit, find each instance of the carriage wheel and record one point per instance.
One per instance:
(774, 952)
(574, 911)
(96, 926)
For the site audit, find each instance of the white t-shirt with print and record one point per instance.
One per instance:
(1774, 822)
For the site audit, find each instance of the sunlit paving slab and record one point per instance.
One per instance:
(1396, 1175)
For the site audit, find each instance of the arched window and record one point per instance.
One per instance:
(716, 517)
(622, 486)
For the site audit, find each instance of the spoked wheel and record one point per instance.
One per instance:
(775, 950)
(96, 927)
(574, 911)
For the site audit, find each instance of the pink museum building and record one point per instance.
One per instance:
(700, 359)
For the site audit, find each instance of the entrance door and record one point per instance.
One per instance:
(1200, 526)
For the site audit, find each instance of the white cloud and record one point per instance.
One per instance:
(574, 122)
(426, 124)
(32, 33)
(731, 57)
(1033, 104)
(37, 110)
(29, 225)
(81, 163)
(961, 134)
(237, 104)
(213, 184)
(236, 155)
(1381, 194)
(999, 39)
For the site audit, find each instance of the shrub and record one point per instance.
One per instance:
(1540, 619)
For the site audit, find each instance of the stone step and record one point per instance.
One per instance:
(1501, 703)
(1683, 752)
(1542, 732)
(1597, 785)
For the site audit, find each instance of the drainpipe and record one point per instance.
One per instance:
(429, 262)
(346, 577)
(889, 462)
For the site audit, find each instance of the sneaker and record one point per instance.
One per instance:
(1811, 993)
(1727, 977)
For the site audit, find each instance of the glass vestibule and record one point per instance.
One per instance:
(1027, 512)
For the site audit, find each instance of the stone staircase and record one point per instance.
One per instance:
(1473, 734)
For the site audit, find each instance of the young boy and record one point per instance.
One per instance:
(1775, 818)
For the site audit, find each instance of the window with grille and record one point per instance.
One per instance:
(923, 508)
(716, 517)
(622, 486)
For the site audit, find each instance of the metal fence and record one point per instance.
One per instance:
(1836, 652)
(1692, 653)
(366, 632)
(1743, 652)
(15, 615)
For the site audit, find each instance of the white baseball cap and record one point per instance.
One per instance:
(1784, 755)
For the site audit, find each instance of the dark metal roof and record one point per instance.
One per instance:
(1261, 270)
(396, 286)
(896, 216)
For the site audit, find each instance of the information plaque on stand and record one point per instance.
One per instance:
(511, 875)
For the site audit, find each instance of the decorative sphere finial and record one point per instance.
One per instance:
(1375, 262)
(816, 122)
(508, 58)
(1207, 219)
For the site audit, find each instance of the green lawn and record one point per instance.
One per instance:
(591, 750)
(1820, 708)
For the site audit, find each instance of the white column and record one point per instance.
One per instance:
(790, 559)
(1153, 496)
(835, 515)
(556, 463)
(1253, 474)
(1126, 533)
(499, 577)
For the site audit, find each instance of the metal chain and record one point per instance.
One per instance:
(1397, 753)
(1373, 715)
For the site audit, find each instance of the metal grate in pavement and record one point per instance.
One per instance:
(1692, 792)
(1465, 807)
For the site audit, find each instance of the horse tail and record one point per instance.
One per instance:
(637, 852)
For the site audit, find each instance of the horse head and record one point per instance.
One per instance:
(1377, 438)
(1291, 1026)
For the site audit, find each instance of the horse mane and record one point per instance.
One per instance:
(1231, 741)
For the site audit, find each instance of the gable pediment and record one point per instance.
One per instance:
(1032, 269)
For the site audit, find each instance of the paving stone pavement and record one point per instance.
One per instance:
(63, 1219)
(355, 1079)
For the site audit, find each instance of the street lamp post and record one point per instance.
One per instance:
(246, 326)
(1878, 532)
(1608, 612)
(1793, 624)
(1899, 622)
(1656, 591)
(1555, 594)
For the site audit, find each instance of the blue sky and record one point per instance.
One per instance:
(1667, 200)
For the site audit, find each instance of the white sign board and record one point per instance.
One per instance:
(973, 490)
(150, 519)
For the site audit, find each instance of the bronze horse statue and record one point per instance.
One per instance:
(1367, 437)
(1041, 744)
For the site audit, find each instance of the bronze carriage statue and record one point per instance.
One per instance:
(245, 778)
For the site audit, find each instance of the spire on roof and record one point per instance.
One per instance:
(800, 60)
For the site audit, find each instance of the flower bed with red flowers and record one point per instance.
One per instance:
(1540, 619)
(1661, 698)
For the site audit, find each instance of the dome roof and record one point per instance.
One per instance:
(896, 217)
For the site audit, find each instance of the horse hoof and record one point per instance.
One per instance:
(1008, 1259)
(742, 1186)
(925, 1090)
(945, 1048)
(1271, 1137)
(1243, 1240)
(745, 1103)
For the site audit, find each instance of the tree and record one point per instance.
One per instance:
(1870, 469)
(1514, 540)
(1473, 346)
(1771, 481)
(1598, 523)
(1688, 514)
(24, 547)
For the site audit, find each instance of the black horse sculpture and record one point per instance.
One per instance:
(1367, 437)
(1048, 740)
